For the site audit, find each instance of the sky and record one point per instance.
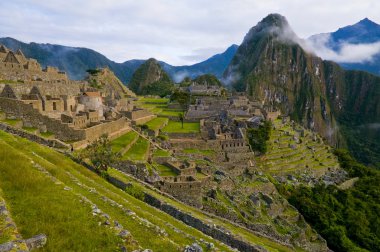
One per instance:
(179, 32)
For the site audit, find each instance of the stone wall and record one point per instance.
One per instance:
(189, 192)
(136, 114)
(62, 131)
(52, 89)
(184, 135)
(214, 231)
(143, 120)
(240, 156)
(27, 113)
(109, 128)
(32, 137)
(205, 228)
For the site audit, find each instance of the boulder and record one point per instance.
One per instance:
(37, 241)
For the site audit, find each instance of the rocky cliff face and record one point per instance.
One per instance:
(106, 80)
(272, 66)
(150, 78)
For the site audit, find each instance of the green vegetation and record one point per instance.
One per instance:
(183, 99)
(176, 127)
(27, 196)
(139, 151)
(157, 123)
(170, 112)
(158, 106)
(163, 170)
(121, 142)
(30, 129)
(348, 219)
(289, 152)
(181, 118)
(11, 122)
(149, 100)
(208, 79)
(160, 88)
(161, 153)
(93, 71)
(185, 82)
(135, 192)
(49, 198)
(100, 154)
(243, 233)
(46, 134)
(151, 79)
(258, 137)
(11, 81)
(197, 151)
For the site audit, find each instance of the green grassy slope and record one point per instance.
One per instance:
(123, 141)
(48, 193)
(286, 155)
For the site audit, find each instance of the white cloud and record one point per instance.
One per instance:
(167, 29)
(347, 53)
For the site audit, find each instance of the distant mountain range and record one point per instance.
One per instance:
(75, 61)
(355, 47)
(272, 66)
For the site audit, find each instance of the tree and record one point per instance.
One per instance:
(100, 154)
(181, 118)
(183, 98)
(258, 137)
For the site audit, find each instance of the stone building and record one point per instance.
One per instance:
(14, 66)
(196, 89)
(93, 101)
(48, 101)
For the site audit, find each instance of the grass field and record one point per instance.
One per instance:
(139, 151)
(176, 127)
(157, 123)
(121, 142)
(150, 100)
(170, 112)
(49, 198)
(163, 170)
(197, 151)
(161, 153)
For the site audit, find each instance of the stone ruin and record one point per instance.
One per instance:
(47, 100)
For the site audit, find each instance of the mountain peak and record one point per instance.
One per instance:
(367, 22)
(274, 19)
(274, 25)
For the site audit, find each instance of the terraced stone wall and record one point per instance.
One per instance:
(27, 113)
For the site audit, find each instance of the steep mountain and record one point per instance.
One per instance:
(343, 106)
(105, 80)
(151, 79)
(365, 32)
(75, 61)
(207, 80)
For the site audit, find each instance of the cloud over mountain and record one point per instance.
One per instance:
(346, 53)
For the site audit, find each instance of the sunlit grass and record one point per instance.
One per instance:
(121, 142)
(139, 151)
(176, 127)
